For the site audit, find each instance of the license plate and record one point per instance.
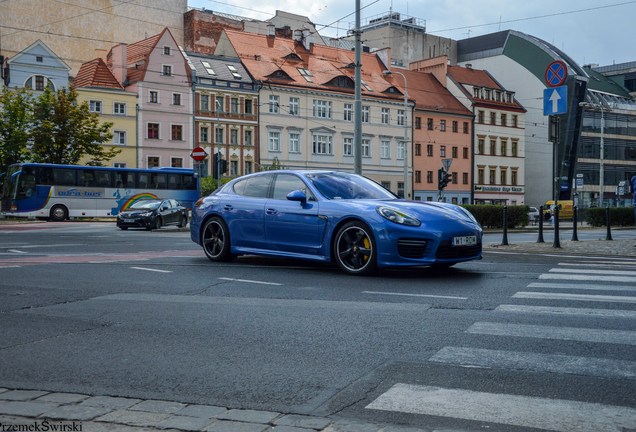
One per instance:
(465, 241)
(129, 221)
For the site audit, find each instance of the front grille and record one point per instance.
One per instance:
(446, 251)
(412, 248)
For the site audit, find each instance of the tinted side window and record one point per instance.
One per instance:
(64, 177)
(286, 183)
(258, 186)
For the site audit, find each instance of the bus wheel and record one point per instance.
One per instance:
(59, 213)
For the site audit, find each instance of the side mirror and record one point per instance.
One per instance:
(297, 195)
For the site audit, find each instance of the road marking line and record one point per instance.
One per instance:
(582, 287)
(557, 333)
(604, 278)
(250, 281)
(536, 362)
(414, 295)
(152, 270)
(580, 297)
(559, 256)
(608, 265)
(532, 412)
(588, 271)
(15, 251)
(602, 313)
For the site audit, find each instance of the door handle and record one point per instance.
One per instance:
(228, 207)
(271, 211)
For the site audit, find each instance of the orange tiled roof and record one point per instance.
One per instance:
(264, 56)
(137, 54)
(429, 93)
(95, 73)
(475, 77)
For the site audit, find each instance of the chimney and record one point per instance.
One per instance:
(307, 39)
(119, 63)
(271, 30)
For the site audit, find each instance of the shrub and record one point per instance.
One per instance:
(491, 216)
(619, 216)
(209, 184)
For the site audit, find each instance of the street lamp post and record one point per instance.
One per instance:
(406, 109)
(601, 164)
(217, 169)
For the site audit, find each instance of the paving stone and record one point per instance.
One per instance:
(76, 412)
(21, 395)
(301, 421)
(156, 406)
(202, 411)
(28, 409)
(134, 418)
(185, 423)
(62, 398)
(115, 403)
(230, 426)
(249, 416)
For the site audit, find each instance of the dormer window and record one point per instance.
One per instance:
(477, 92)
(293, 57)
(234, 72)
(488, 94)
(365, 85)
(305, 74)
(208, 68)
(342, 81)
(280, 75)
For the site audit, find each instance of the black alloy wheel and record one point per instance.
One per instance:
(354, 249)
(216, 240)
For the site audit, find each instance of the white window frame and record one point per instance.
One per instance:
(152, 93)
(182, 132)
(119, 108)
(177, 96)
(385, 148)
(348, 112)
(294, 141)
(347, 146)
(294, 106)
(166, 70)
(400, 117)
(401, 150)
(273, 140)
(322, 108)
(322, 144)
(204, 134)
(386, 116)
(274, 104)
(119, 137)
(167, 50)
(366, 110)
(366, 147)
(95, 106)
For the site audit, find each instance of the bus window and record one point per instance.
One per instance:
(188, 182)
(159, 181)
(102, 178)
(86, 178)
(44, 176)
(174, 181)
(124, 179)
(143, 180)
(64, 177)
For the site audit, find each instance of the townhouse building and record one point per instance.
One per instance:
(156, 70)
(36, 67)
(96, 85)
(307, 107)
(226, 108)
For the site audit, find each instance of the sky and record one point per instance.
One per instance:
(590, 31)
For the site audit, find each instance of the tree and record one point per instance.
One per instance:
(64, 132)
(15, 120)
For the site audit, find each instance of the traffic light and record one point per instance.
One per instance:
(223, 166)
(443, 178)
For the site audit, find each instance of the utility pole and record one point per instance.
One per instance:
(357, 128)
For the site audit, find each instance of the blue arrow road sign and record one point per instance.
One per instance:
(555, 100)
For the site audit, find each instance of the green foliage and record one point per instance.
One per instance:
(619, 216)
(15, 120)
(209, 184)
(491, 216)
(63, 132)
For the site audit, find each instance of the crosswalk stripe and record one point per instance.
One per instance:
(487, 358)
(558, 333)
(532, 412)
(576, 297)
(578, 286)
(580, 277)
(602, 313)
(587, 265)
(592, 271)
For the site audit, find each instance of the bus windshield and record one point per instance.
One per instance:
(60, 192)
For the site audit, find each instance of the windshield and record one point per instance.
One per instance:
(348, 186)
(145, 205)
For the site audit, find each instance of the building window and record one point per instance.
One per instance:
(119, 108)
(176, 162)
(205, 103)
(442, 125)
(154, 97)
(384, 116)
(385, 149)
(322, 108)
(294, 142)
(480, 176)
(248, 107)
(477, 92)
(322, 144)
(95, 106)
(166, 70)
(493, 118)
(513, 177)
(167, 50)
(400, 118)
(454, 178)
(418, 122)
(418, 176)
(274, 104)
(176, 133)
(502, 176)
(204, 134)
(480, 117)
(273, 141)
(176, 99)
(515, 120)
(455, 152)
(465, 178)
(481, 143)
(347, 149)
(429, 176)
(248, 138)
(119, 137)
(442, 151)
(234, 105)
(219, 104)
(455, 126)
(466, 127)
(493, 176)
(248, 167)
(515, 148)
(429, 150)
(153, 130)
(218, 135)
(365, 113)
(153, 161)
(504, 119)
(493, 147)
(119, 164)
(234, 136)
(348, 112)
(366, 147)
(429, 123)
(234, 168)
(418, 149)
(503, 147)
(294, 106)
(39, 82)
(465, 152)
(401, 150)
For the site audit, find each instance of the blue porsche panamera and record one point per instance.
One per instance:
(331, 216)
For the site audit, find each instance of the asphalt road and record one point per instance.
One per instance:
(88, 308)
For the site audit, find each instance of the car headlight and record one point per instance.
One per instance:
(397, 216)
(468, 214)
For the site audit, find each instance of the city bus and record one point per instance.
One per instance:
(61, 192)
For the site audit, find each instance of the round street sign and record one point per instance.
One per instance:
(198, 154)
(556, 73)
